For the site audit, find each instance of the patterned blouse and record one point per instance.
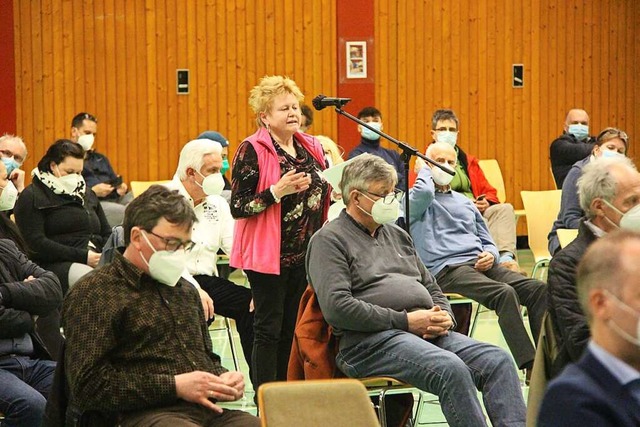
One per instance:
(301, 212)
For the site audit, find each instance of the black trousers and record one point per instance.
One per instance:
(232, 301)
(504, 291)
(276, 299)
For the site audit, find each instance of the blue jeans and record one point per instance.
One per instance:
(25, 385)
(451, 367)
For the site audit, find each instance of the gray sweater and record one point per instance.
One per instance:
(368, 284)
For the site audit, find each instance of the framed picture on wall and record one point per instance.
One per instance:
(356, 52)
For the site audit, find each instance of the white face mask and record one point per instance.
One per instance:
(212, 185)
(165, 266)
(86, 141)
(381, 212)
(440, 177)
(70, 182)
(8, 197)
(621, 332)
(447, 136)
(630, 219)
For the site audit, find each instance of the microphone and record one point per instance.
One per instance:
(321, 101)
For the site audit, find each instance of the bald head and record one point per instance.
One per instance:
(442, 152)
(576, 116)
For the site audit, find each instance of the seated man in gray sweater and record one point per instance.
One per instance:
(389, 314)
(454, 243)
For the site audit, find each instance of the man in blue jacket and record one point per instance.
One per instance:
(603, 388)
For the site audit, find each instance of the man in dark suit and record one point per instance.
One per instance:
(603, 388)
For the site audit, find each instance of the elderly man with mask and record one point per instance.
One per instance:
(219, 138)
(573, 145)
(603, 388)
(454, 242)
(609, 191)
(199, 179)
(470, 181)
(390, 314)
(13, 152)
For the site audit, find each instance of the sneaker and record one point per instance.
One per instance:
(513, 266)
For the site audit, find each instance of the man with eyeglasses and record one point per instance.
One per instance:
(391, 317)
(454, 243)
(13, 152)
(97, 170)
(470, 181)
(138, 350)
(573, 145)
(198, 178)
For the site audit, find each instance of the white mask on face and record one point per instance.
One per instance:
(440, 177)
(8, 197)
(212, 185)
(447, 136)
(381, 212)
(630, 219)
(86, 141)
(70, 182)
(621, 332)
(165, 266)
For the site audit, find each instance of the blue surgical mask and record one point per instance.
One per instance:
(369, 134)
(608, 154)
(580, 131)
(11, 164)
(225, 166)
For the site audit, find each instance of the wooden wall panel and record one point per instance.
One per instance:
(576, 53)
(117, 59)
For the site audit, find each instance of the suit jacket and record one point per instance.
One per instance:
(586, 394)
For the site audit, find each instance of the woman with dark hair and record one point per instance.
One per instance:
(60, 218)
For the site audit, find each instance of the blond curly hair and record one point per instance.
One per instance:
(261, 96)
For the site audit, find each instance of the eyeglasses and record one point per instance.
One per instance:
(173, 245)
(8, 153)
(387, 199)
(611, 133)
(444, 128)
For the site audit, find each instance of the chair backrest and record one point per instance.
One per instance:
(492, 172)
(566, 236)
(541, 209)
(317, 403)
(139, 187)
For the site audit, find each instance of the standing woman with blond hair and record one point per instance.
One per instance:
(279, 200)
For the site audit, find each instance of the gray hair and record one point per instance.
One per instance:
(193, 153)
(363, 171)
(8, 137)
(441, 147)
(597, 182)
(443, 115)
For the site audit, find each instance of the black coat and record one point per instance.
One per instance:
(564, 152)
(21, 300)
(570, 325)
(58, 228)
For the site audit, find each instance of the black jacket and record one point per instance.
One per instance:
(21, 300)
(58, 228)
(564, 152)
(570, 325)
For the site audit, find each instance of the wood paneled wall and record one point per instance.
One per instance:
(117, 59)
(458, 54)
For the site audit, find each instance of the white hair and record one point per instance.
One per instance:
(193, 154)
(440, 147)
(8, 137)
(597, 182)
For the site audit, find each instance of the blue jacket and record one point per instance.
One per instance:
(447, 228)
(586, 394)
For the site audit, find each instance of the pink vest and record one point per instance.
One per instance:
(256, 239)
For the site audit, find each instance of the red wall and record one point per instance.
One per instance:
(355, 23)
(7, 69)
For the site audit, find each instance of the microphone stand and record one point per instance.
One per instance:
(407, 152)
